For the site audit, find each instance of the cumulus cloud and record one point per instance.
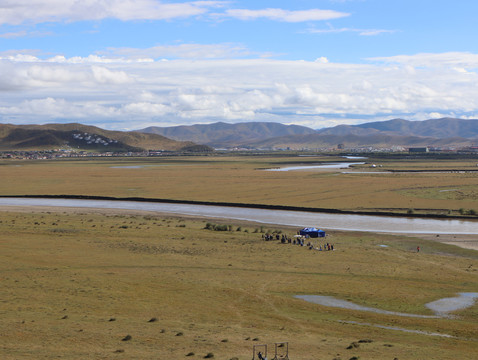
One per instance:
(322, 60)
(285, 15)
(131, 94)
(106, 76)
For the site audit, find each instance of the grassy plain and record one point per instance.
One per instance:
(75, 284)
(242, 179)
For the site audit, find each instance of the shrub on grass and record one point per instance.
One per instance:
(216, 227)
(209, 226)
(221, 228)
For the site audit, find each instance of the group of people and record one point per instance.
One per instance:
(298, 240)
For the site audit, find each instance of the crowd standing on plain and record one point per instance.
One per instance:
(298, 240)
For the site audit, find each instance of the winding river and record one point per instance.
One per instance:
(280, 217)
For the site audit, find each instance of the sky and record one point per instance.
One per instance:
(130, 64)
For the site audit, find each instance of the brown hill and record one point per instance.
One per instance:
(83, 137)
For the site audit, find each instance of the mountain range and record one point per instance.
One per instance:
(445, 132)
(223, 135)
(397, 132)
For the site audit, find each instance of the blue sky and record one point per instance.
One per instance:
(123, 64)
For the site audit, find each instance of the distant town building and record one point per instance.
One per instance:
(418, 150)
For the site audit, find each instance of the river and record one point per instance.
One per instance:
(326, 221)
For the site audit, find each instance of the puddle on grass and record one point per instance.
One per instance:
(444, 306)
(344, 304)
(441, 307)
(322, 166)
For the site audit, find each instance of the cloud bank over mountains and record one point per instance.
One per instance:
(143, 82)
(314, 94)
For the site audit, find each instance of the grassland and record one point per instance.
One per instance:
(417, 186)
(78, 285)
(122, 285)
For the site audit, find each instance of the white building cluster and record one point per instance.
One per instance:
(94, 139)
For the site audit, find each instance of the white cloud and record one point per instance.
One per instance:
(285, 15)
(456, 60)
(183, 51)
(322, 60)
(91, 59)
(15, 12)
(105, 76)
(361, 32)
(126, 93)
(12, 35)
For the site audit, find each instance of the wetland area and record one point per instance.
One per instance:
(134, 280)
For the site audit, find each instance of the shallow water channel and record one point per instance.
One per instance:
(441, 307)
(338, 165)
(325, 221)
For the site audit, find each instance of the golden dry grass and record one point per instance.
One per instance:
(242, 180)
(75, 284)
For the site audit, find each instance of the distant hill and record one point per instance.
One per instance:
(435, 128)
(221, 134)
(83, 137)
(317, 141)
(398, 132)
(445, 132)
